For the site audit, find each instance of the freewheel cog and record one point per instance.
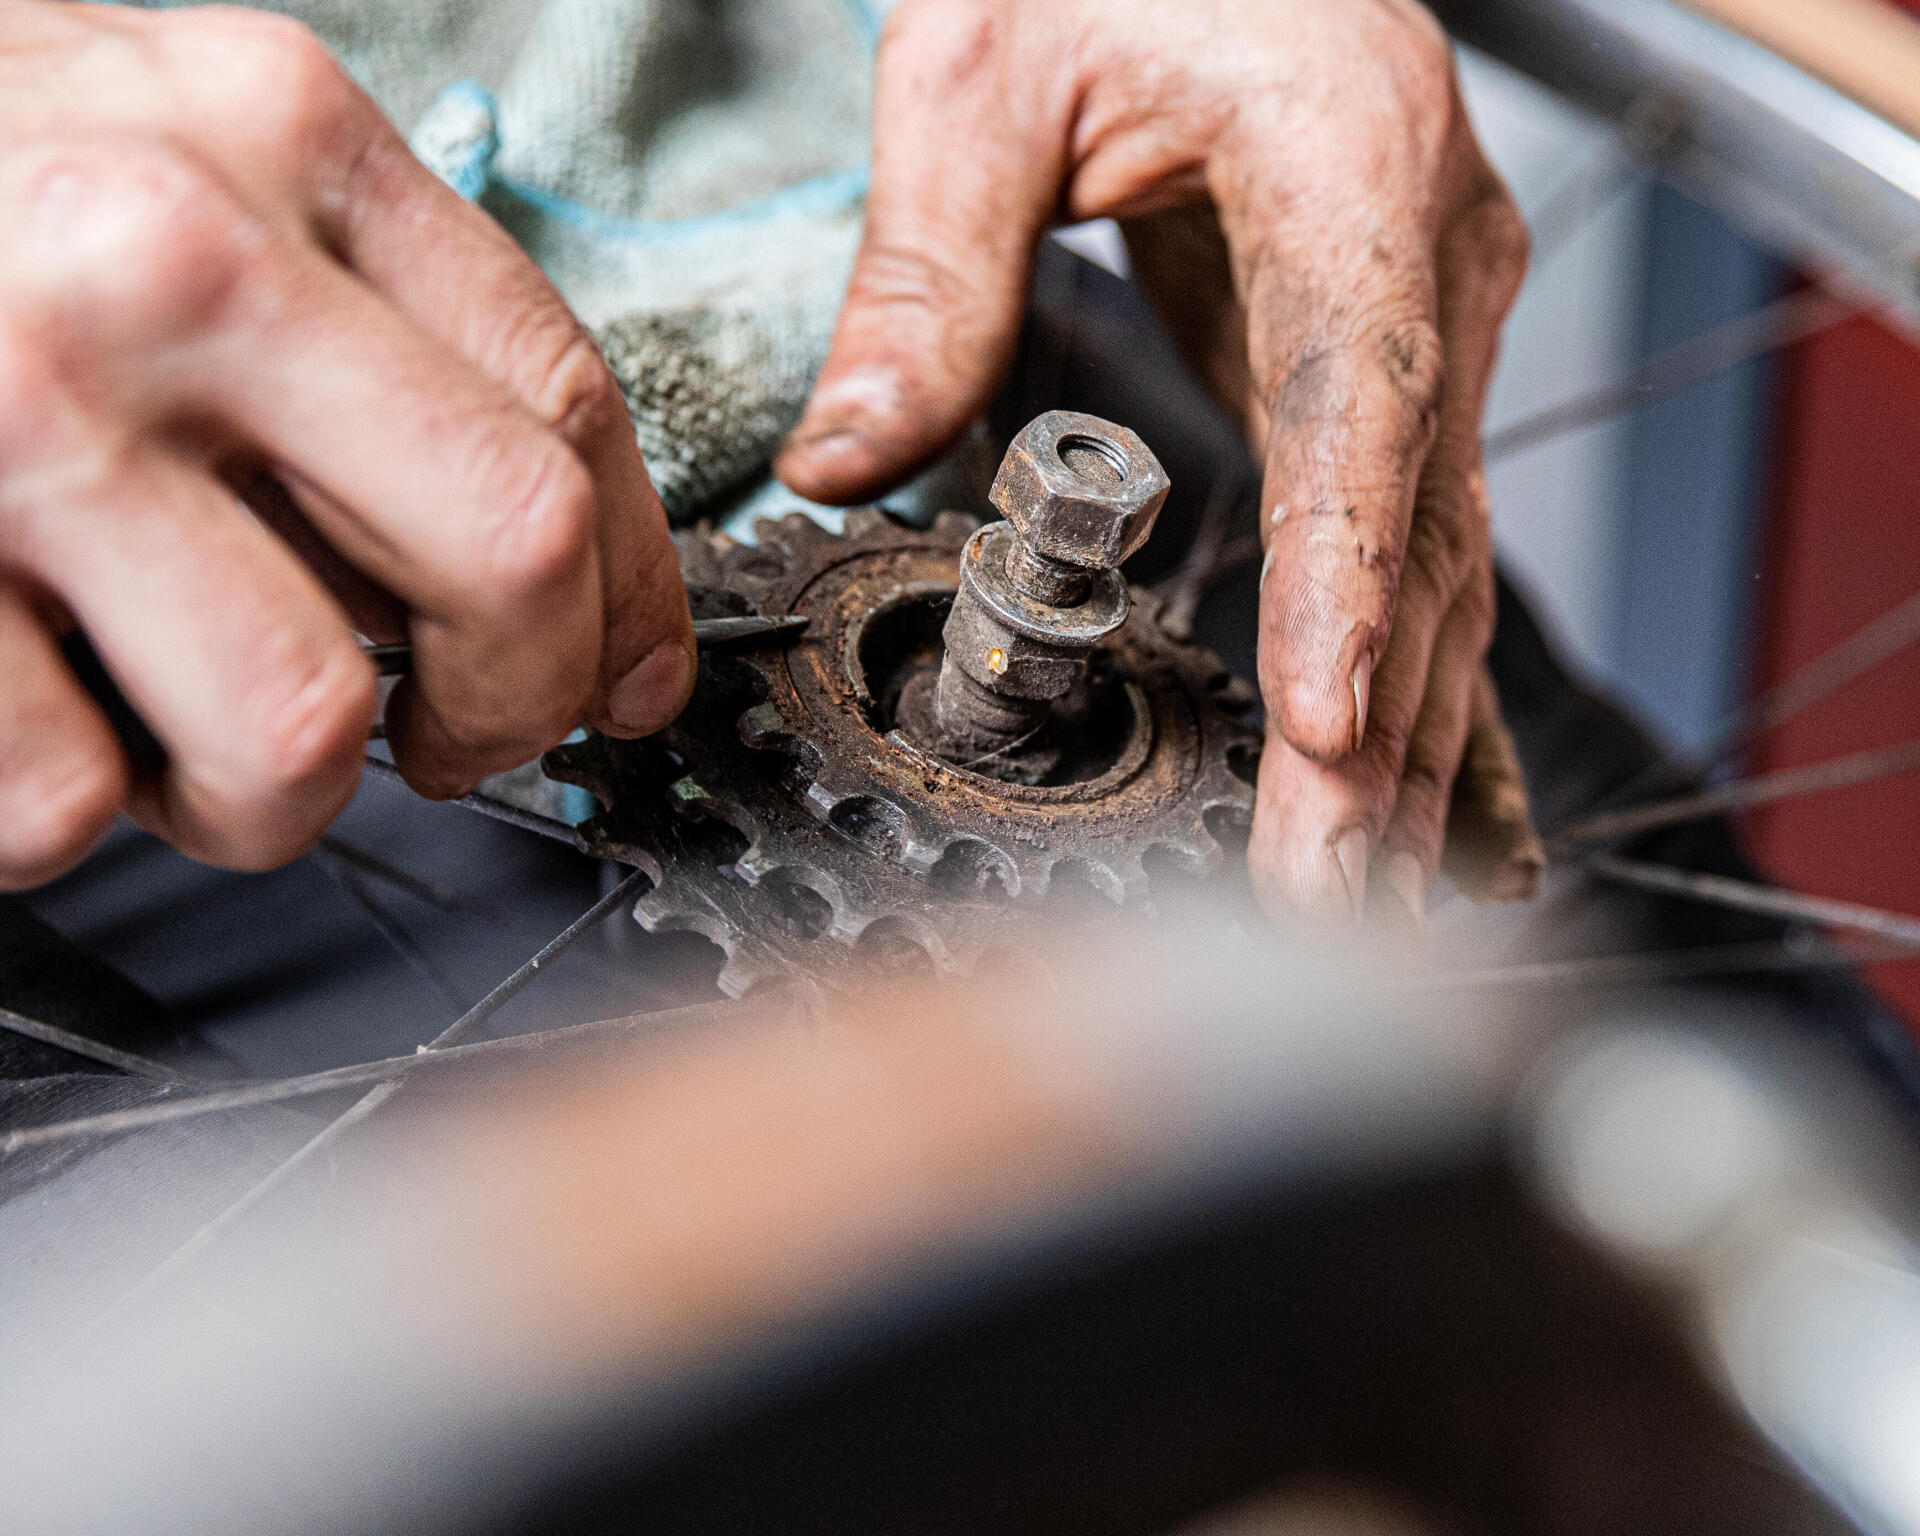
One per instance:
(791, 816)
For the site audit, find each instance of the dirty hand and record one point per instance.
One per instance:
(225, 283)
(1305, 200)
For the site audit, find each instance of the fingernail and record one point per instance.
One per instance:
(1408, 881)
(1350, 853)
(1362, 687)
(654, 692)
(843, 410)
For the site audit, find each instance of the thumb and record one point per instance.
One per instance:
(967, 168)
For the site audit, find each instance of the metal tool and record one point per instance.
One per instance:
(708, 635)
(147, 755)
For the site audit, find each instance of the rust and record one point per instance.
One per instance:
(789, 817)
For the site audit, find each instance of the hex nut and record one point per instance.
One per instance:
(1080, 490)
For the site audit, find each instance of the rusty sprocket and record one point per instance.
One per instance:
(789, 818)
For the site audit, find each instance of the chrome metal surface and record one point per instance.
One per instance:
(1799, 164)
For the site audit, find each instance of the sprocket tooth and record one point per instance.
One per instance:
(689, 797)
(868, 523)
(1195, 854)
(764, 727)
(877, 932)
(743, 970)
(702, 555)
(1094, 872)
(966, 861)
(572, 762)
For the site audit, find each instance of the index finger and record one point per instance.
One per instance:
(1346, 354)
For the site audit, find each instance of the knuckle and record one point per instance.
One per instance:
(1502, 244)
(310, 720)
(573, 390)
(1425, 781)
(1425, 66)
(547, 535)
(1477, 607)
(895, 274)
(1444, 549)
(1414, 358)
(297, 92)
(149, 242)
(951, 39)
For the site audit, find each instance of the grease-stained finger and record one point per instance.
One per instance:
(1411, 847)
(1329, 822)
(1493, 852)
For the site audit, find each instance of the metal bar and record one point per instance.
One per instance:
(368, 1103)
(396, 660)
(1744, 794)
(391, 874)
(1874, 642)
(92, 1050)
(1672, 965)
(392, 932)
(390, 1069)
(1182, 591)
(1779, 324)
(1750, 896)
(498, 810)
(1572, 205)
(1805, 169)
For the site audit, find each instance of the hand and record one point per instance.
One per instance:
(1305, 200)
(224, 277)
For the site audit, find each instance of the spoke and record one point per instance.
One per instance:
(1767, 329)
(1744, 794)
(625, 892)
(1879, 640)
(1793, 954)
(1649, 129)
(397, 938)
(92, 1050)
(1574, 204)
(1863, 650)
(392, 874)
(1750, 896)
(282, 1090)
(499, 810)
(1205, 564)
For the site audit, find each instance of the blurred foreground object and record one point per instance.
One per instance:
(1095, 1248)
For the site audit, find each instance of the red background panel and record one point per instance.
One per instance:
(1843, 546)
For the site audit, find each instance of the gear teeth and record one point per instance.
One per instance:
(876, 931)
(866, 522)
(764, 726)
(891, 876)
(572, 762)
(1096, 874)
(1196, 855)
(966, 859)
(690, 798)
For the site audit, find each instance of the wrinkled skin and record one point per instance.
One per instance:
(223, 274)
(1303, 197)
